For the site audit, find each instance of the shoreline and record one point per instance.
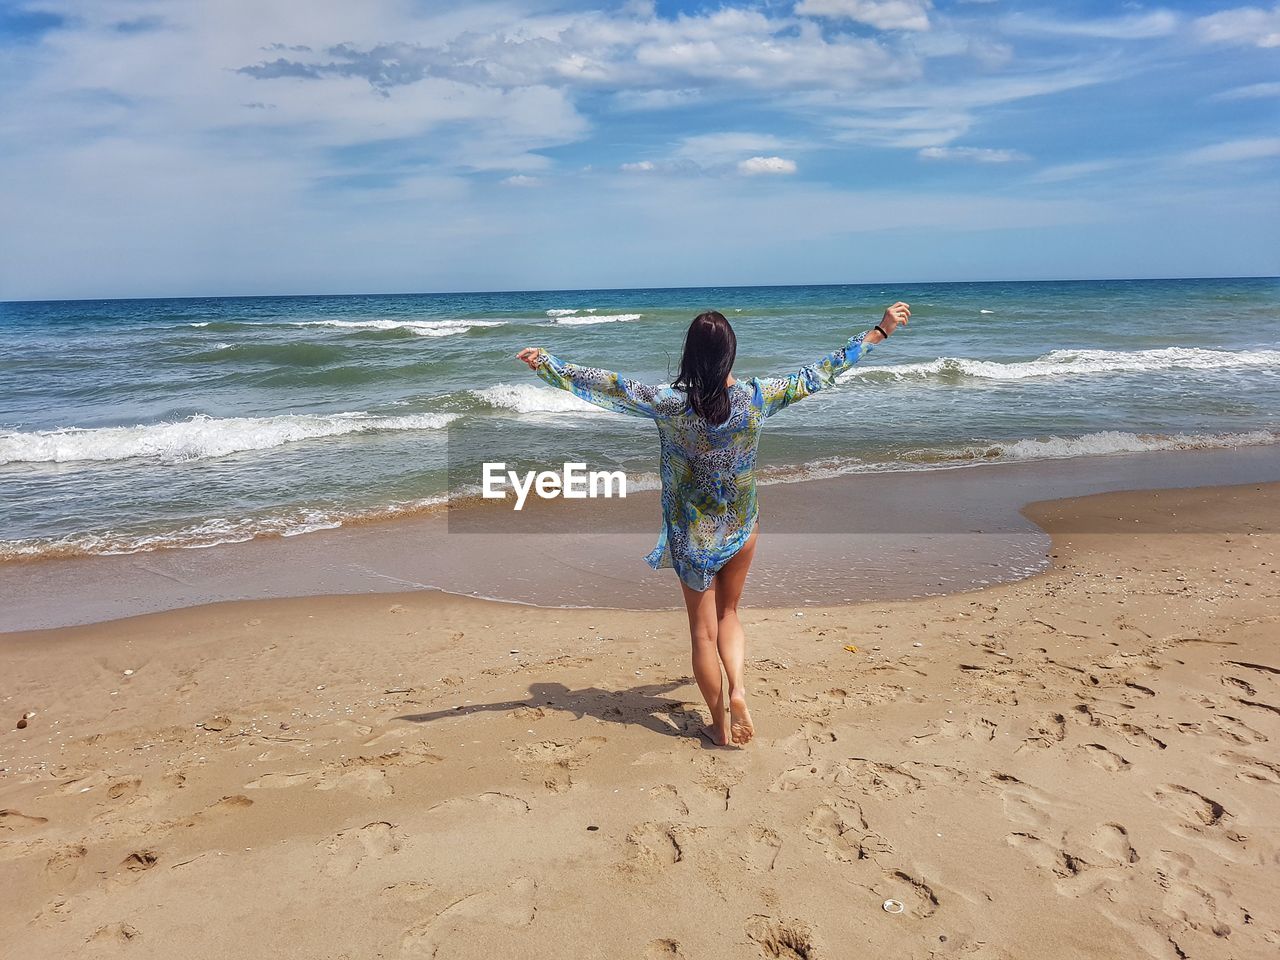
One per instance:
(1081, 757)
(829, 540)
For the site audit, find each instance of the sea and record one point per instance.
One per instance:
(139, 425)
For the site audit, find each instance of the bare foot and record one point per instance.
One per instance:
(716, 734)
(741, 729)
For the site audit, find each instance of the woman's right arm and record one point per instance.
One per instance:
(778, 393)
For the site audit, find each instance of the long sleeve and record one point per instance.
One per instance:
(601, 387)
(777, 393)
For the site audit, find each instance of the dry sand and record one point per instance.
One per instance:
(1081, 764)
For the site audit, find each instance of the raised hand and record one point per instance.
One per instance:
(532, 356)
(897, 314)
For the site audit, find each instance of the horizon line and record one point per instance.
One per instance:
(548, 290)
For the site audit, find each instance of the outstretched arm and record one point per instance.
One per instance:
(778, 393)
(604, 388)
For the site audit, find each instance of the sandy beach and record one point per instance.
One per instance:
(1080, 764)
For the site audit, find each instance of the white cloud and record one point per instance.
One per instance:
(639, 100)
(641, 166)
(1251, 91)
(881, 14)
(976, 154)
(729, 49)
(766, 165)
(916, 115)
(1137, 26)
(520, 180)
(1059, 173)
(1234, 151)
(1242, 26)
(709, 149)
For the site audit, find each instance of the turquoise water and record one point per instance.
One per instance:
(135, 424)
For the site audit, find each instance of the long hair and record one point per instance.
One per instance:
(710, 347)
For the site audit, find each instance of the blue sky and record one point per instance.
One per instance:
(167, 147)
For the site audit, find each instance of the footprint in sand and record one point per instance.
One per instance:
(483, 807)
(1022, 802)
(561, 757)
(125, 789)
(758, 847)
(653, 845)
(1103, 757)
(280, 781)
(791, 939)
(839, 827)
(66, 863)
(916, 895)
(666, 800)
(349, 849)
(370, 781)
(1195, 809)
(974, 728)
(83, 784)
(1111, 841)
(16, 820)
(884, 780)
(114, 933)
(219, 808)
(1224, 727)
(1239, 686)
(1250, 768)
(465, 929)
(140, 861)
(567, 753)
(1049, 857)
(666, 949)
(1049, 731)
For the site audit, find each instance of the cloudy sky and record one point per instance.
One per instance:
(193, 147)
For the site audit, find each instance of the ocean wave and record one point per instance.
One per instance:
(1109, 442)
(212, 532)
(1065, 363)
(580, 321)
(420, 328)
(569, 313)
(528, 398)
(197, 438)
(1103, 443)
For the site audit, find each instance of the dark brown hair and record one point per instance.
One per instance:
(710, 347)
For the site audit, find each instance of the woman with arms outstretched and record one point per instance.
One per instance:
(708, 430)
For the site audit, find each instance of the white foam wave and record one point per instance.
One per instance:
(986, 311)
(197, 438)
(1064, 363)
(421, 328)
(1113, 441)
(212, 532)
(528, 398)
(579, 321)
(570, 313)
(1104, 443)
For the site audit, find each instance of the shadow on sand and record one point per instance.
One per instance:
(642, 705)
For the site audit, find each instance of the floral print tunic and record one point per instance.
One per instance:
(707, 470)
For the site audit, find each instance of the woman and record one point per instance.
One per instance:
(709, 428)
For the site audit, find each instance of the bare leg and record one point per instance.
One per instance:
(706, 661)
(731, 641)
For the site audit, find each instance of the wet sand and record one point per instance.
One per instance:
(837, 540)
(1080, 764)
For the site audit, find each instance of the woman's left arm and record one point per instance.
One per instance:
(604, 388)
(778, 393)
